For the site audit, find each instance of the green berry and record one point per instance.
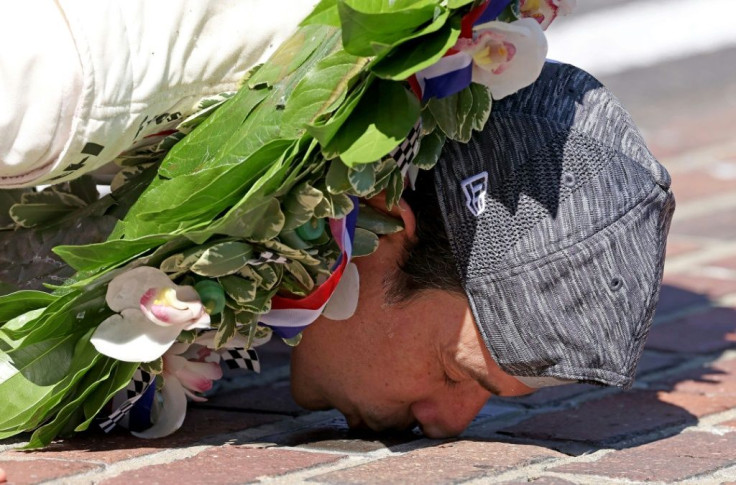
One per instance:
(212, 296)
(312, 229)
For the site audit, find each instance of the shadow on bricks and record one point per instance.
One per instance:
(685, 374)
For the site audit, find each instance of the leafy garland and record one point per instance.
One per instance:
(258, 171)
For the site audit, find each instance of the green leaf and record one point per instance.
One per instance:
(20, 302)
(293, 53)
(299, 205)
(104, 392)
(300, 274)
(337, 179)
(340, 205)
(209, 192)
(373, 131)
(44, 363)
(458, 115)
(365, 243)
(362, 178)
(32, 402)
(261, 303)
(395, 189)
(98, 375)
(31, 215)
(85, 188)
(248, 323)
(324, 13)
(377, 222)
(430, 150)
(226, 329)
(368, 24)
(270, 275)
(223, 259)
(455, 4)
(155, 367)
(95, 257)
(241, 290)
(52, 197)
(325, 128)
(268, 226)
(322, 90)
(421, 52)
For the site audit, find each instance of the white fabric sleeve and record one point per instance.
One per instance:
(88, 79)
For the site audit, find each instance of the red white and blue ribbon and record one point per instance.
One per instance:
(289, 316)
(454, 72)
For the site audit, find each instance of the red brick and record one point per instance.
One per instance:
(451, 462)
(225, 465)
(728, 263)
(715, 379)
(681, 133)
(701, 391)
(36, 471)
(713, 330)
(701, 183)
(676, 248)
(539, 481)
(730, 424)
(120, 445)
(711, 287)
(716, 225)
(604, 420)
(667, 460)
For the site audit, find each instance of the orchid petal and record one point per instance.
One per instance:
(531, 50)
(199, 379)
(126, 289)
(344, 300)
(172, 413)
(130, 337)
(193, 396)
(174, 307)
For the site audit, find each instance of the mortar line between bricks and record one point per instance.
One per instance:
(683, 262)
(700, 157)
(541, 468)
(718, 477)
(301, 476)
(114, 469)
(715, 203)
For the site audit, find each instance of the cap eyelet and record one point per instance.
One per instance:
(568, 179)
(616, 283)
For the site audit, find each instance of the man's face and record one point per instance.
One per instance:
(395, 366)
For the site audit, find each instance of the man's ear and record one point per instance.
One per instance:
(401, 211)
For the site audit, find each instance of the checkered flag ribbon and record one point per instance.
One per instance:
(240, 358)
(407, 150)
(133, 391)
(267, 257)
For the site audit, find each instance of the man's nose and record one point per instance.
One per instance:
(446, 415)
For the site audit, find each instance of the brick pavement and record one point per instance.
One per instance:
(678, 424)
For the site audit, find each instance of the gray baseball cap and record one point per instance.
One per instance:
(557, 216)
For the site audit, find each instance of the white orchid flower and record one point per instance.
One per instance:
(545, 11)
(188, 370)
(506, 56)
(153, 311)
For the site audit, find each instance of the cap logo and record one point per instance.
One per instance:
(475, 189)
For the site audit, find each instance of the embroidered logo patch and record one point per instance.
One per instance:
(475, 189)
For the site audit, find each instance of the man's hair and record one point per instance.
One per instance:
(428, 262)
